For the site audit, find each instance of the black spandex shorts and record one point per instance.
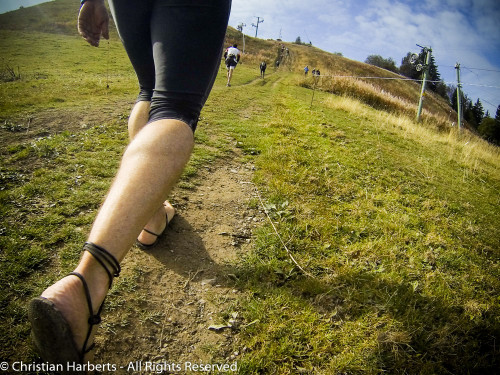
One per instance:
(175, 47)
(231, 62)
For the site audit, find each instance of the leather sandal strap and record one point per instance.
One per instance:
(94, 319)
(105, 259)
(153, 233)
(112, 268)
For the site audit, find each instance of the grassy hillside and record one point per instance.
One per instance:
(394, 223)
(391, 92)
(51, 17)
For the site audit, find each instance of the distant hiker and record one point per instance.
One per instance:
(314, 72)
(317, 72)
(306, 70)
(263, 67)
(161, 128)
(277, 63)
(232, 56)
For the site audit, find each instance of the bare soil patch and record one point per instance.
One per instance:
(30, 126)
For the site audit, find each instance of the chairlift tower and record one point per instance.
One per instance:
(257, 26)
(425, 68)
(459, 94)
(240, 29)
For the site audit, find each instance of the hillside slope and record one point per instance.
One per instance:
(385, 90)
(389, 93)
(50, 17)
(312, 236)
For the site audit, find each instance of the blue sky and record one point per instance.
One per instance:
(7, 5)
(462, 31)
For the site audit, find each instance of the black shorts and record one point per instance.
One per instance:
(161, 35)
(231, 62)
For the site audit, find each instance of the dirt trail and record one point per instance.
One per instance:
(161, 307)
(170, 296)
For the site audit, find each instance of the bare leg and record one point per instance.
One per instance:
(157, 223)
(150, 167)
(229, 76)
(138, 118)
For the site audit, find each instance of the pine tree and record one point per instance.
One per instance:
(409, 70)
(454, 103)
(478, 112)
(490, 128)
(433, 74)
(463, 100)
(468, 111)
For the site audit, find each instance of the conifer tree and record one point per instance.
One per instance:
(434, 76)
(478, 112)
(490, 128)
(409, 70)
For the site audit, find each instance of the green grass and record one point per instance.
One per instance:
(397, 222)
(398, 227)
(61, 71)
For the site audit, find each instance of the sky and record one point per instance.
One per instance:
(8, 5)
(463, 31)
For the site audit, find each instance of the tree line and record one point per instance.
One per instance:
(473, 113)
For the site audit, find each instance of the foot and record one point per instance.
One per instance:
(157, 224)
(68, 296)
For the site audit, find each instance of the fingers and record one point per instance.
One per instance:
(92, 33)
(105, 29)
(90, 37)
(89, 33)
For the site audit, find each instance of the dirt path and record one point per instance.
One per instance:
(167, 298)
(167, 303)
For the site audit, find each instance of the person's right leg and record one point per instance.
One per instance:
(138, 118)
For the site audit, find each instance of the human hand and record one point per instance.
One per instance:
(93, 21)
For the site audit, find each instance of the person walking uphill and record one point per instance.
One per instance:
(232, 56)
(263, 67)
(161, 128)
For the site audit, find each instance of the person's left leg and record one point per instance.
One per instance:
(150, 167)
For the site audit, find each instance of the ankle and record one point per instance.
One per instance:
(96, 277)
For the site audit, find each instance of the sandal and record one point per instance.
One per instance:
(145, 246)
(50, 330)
